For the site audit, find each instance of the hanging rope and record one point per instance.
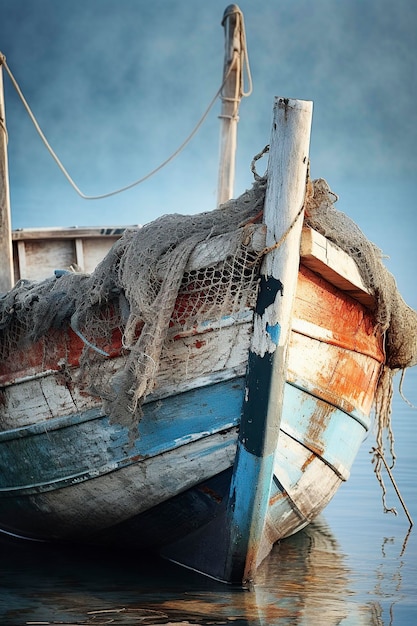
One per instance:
(245, 61)
(237, 57)
(63, 169)
(378, 453)
(244, 56)
(401, 390)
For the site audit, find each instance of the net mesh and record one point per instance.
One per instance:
(143, 288)
(395, 318)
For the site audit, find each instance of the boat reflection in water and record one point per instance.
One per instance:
(304, 581)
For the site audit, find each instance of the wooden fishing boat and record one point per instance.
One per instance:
(209, 437)
(204, 390)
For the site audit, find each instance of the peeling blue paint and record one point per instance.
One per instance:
(74, 447)
(253, 470)
(274, 331)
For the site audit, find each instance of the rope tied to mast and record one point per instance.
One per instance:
(233, 10)
(236, 58)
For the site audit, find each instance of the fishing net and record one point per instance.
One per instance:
(134, 291)
(145, 287)
(395, 318)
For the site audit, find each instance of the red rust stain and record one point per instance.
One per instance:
(136, 458)
(192, 331)
(347, 379)
(199, 343)
(210, 492)
(281, 495)
(307, 462)
(317, 426)
(61, 348)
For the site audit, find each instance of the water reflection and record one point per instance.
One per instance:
(304, 581)
(308, 575)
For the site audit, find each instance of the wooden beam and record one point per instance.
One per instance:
(81, 232)
(79, 253)
(6, 265)
(267, 365)
(21, 259)
(336, 266)
(231, 546)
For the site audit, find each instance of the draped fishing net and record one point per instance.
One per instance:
(395, 318)
(134, 290)
(145, 286)
(392, 314)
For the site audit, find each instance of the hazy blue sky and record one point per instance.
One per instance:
(116, 86)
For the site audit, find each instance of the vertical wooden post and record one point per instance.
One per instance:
(231, 96)
(231, 546)
(267, 365)
(6, 254)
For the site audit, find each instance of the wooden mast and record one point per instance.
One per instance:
(231, 96)
(6, 264)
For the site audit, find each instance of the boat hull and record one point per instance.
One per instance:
(83, 481)
(71, 474)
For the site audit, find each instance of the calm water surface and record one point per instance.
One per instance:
(355, 566)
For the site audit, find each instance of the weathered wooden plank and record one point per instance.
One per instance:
(65, 449)
(298, 498)
(92, 244)
(100, 232)
(21, 266)
(320, 311)
(109, 498)
(59, 248)
(324, 312)
(340, 374)
(47, 354)
(79, 253)
(94, 251)
(324, 429)
(41, 399)
(317, 446)
(217, 249)
(209, 347)
(185, 362)
(345, 378)
(43, 257)
(333, 264)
